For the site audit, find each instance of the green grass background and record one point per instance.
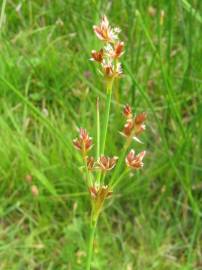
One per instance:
(48, 87)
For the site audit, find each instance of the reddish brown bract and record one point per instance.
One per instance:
(104, 31)
(97, 56)
(84, 142)
(108, 69)
(135, 161)
(139, 123)
(100, 192)
(118, 49)
(106, 163)
(127, 111)
(134, 126)
(90, 163)
(109, 55)
(140, 118)
(128, 127)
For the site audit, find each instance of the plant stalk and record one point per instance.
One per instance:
(98, 128)
(125, 172)
(106, 116)
(120, 161)
(2, 15)
(90, 244)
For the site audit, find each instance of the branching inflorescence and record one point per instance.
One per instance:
(108, 60)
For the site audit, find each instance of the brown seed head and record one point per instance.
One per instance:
(98, 195)
(128, 127)
(100, 192)
(135, 161)
(139, 123)
(90, 163)
(134, 126)
(84, 142)
(127, 111)
(106, 163)
(108, 69)
(93, 191)
(118, 49)
(140, 118)
(97, 56)
(115, 51)
(104, 31)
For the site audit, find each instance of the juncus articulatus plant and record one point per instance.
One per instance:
(99, 186)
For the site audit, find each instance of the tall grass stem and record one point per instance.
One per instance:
(98, 128)
(106, 118)
(106, 121)
(90, 244)
(2, 16)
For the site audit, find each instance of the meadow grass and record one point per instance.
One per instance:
(48, 87)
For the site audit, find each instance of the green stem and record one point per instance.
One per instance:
(98, 129)
(106, 117)
(90, 244)
(119, 179)
(106, 121)
(2, 16)
(88, 176)
(120, 161)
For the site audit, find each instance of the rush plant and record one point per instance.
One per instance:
(100, 183)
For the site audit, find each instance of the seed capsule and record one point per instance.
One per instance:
(97, 56)
(106, 163)
(135, 161)
(84, 142)
(127, 111)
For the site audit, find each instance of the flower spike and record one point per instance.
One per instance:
(104, 31)
(108, 56)
(106, 163)
(90, 163)
(109, 65)
(84, 142)
(118, 49)
(127, 111)
(139, 123)
(135, 161)
(97, 56)
(98, 195)
(100, 192)
(133, 126)
(112, 71)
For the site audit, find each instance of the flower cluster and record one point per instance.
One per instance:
(108, 57)
(83, 143)
(135, 161)
(134, 125)
(105, 32)
(98, 195)
(96, 169)
(98, 192)
(107, 163)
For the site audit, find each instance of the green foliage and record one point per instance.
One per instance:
(48, 87)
